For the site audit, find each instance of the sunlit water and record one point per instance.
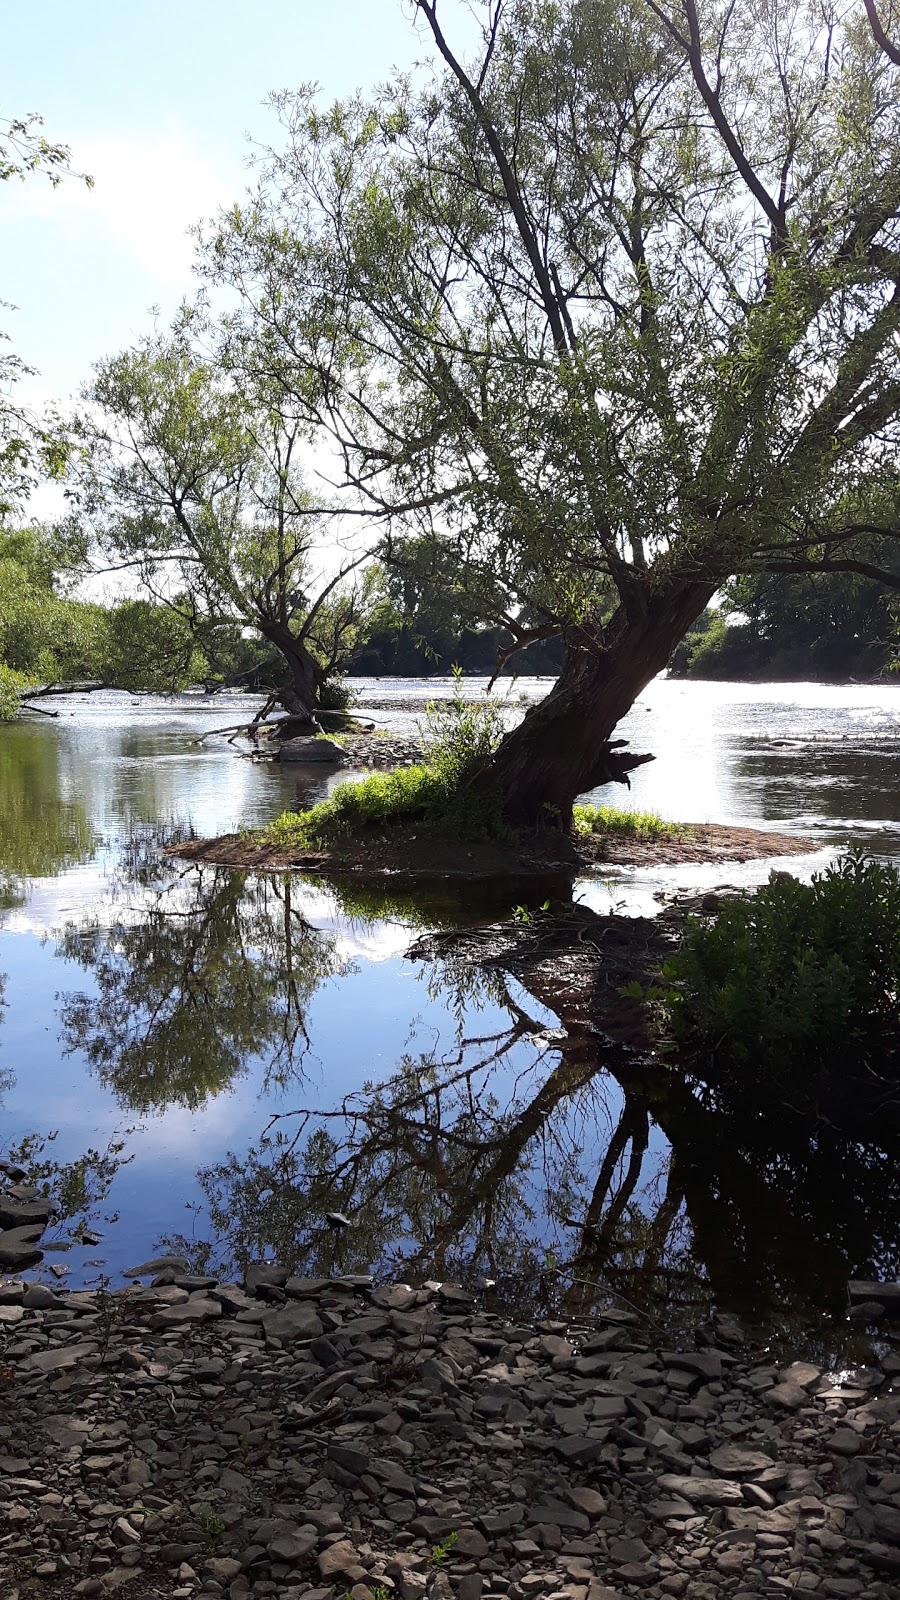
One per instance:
(237, 1058)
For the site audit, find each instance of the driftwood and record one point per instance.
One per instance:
(86, 686)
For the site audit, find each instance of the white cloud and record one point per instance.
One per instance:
(149, 190)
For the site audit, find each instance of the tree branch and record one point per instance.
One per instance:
(890, 50)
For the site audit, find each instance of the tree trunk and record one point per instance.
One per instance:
(561, 748)
(300, 694)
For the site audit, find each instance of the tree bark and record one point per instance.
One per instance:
(300, 694)
(561, 749)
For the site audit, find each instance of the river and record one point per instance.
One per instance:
(223, 1063)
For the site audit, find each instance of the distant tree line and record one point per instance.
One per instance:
(828, 627)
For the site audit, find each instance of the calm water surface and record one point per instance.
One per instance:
(223, 1060)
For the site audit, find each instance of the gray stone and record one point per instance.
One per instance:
(314, 750)
(293, 1321)
(222, 1568)
(702, 1491)
(196, 1308)
(887, 1522)
(293, 1544)
(706, 1364)
(580, 1448)
(53, 1360)
(18, 1248)
(732, 1461)
(787, 1396)
(341, 1560)
(24, 1213)
(39, 1297)
(887, 1294)
(352, 1458)
(264, 1275)
(802, 1373)
(588, 1501)
(149, 1269)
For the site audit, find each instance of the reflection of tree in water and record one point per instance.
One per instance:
(508, 1158)
(216, 969)
(41, 830)
(479, 1160)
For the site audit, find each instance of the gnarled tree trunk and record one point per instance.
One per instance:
(300, 694)
(561, 748)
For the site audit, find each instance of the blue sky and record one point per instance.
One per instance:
(155, 102)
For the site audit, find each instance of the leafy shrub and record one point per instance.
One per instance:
(460, 735)
(797, 988)
(335, 694)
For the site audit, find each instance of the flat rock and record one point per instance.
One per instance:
(580, 1448)
(702, 1491)
(265, 1275)
(67, 1355)
(149, 1269)
(732, 1461)
(887, 1294)
(293, 1543)
(313, 750)
(787, 1396)
(296, 1320)
(24, 1213)
(18, 1248)
(706, 1364)
(341, 1560)
(802, 1373)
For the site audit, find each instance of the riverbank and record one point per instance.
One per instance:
(307, 1439)
(417, 852)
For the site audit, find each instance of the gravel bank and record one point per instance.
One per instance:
(312, 1439)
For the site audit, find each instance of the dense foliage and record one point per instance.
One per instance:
(833, 626)
(44, 634)
(791, 996)
(49, 637)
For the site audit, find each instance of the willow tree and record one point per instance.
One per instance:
(192, 475)
(611, 308)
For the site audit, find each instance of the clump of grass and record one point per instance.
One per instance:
(616, 823)
(459, 740)
(386, 799)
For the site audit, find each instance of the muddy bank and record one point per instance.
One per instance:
(416, 853)
(292, 1437)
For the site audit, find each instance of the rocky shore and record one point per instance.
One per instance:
(314, 1439)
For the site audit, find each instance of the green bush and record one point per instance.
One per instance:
(335, 694)
(796, 988)
(460, 736)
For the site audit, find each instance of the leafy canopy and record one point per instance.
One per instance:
(612, 308)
